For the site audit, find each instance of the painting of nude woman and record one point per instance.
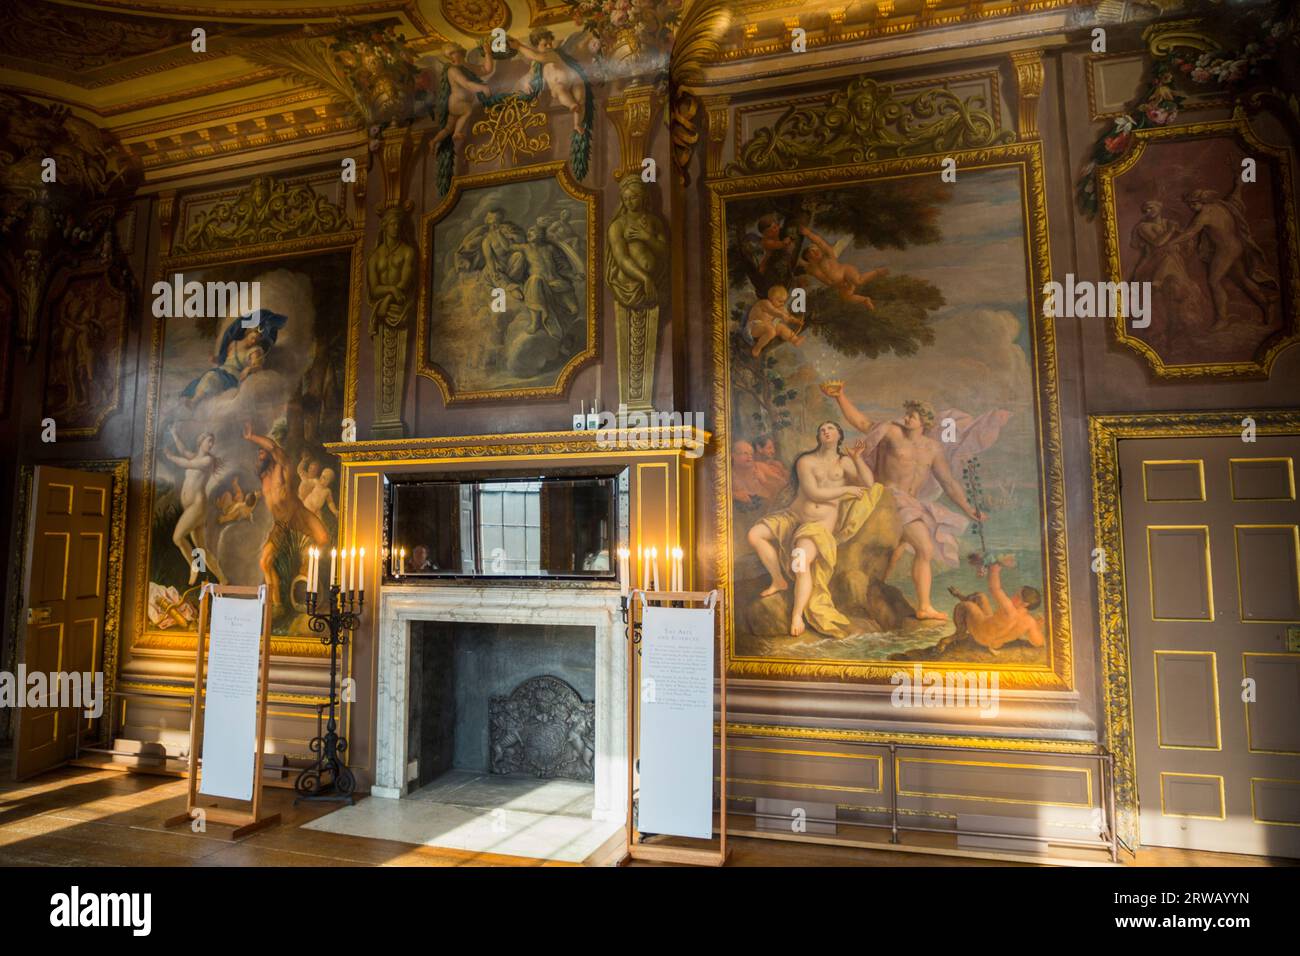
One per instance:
(899, 511)
(244, 404)
(1217, 243)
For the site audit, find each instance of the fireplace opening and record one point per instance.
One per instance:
(503, 716)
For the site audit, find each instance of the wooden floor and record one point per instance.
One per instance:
(80, 817)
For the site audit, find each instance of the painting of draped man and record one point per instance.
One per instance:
(245, 404)
(884, 474)
(510, 308)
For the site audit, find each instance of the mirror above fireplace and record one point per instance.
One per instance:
(516, 526)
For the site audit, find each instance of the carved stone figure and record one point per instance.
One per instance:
(391, 274)
(636, 268)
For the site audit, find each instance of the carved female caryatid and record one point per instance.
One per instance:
(636, 268)
(391, 274)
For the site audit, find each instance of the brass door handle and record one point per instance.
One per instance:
(38, 615)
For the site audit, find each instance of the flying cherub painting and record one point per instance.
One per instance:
(901, 403)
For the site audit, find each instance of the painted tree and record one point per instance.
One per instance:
(767, 244)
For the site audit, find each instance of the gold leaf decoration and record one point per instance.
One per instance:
(866, 122)
(265, 211)
(699, 36)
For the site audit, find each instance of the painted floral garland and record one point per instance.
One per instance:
(1253, 63)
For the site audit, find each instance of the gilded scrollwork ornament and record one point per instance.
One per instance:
(869, 121)
(267, 210)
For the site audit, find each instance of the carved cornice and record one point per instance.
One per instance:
(869, 121)
(764, 27)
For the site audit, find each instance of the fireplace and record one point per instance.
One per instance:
(508, 699)
(521, 681)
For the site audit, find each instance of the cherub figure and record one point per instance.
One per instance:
(460, 90)
(562, 76)
(768, 320)
(235, 504)
(821, 261)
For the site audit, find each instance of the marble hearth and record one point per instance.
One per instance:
(596, 609)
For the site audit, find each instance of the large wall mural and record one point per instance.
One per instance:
(890, 488)
(240, 408)
(508, 309)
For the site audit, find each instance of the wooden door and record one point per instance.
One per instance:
(1212, 581)
(66, 567)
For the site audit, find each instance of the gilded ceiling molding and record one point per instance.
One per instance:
(476, 18)
(1029, 87)
(868, 121)
(51, 224)
(542, 13)
(700, 31)
(367, 69)
(764, 28)
(266, 210)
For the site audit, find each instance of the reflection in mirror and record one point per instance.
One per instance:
(534, 527)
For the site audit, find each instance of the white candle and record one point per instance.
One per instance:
(622, 571)
(401, 563)
(361, 573)
(333, 554)
(352, 572)
(645, 569)
(311, 570)
(654, 567)
(677, 569)
(343, 572)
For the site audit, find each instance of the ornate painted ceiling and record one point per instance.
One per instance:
(128, 65)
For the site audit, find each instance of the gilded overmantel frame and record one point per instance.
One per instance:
(1058, 674)
(460, 187)
(1104, 434)
(347, 240)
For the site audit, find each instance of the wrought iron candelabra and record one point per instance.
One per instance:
(328, 778)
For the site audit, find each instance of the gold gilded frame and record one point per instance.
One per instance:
(1288, 254)
(461, 185)
(350, 241)
(1104, 435)
(1058, 673)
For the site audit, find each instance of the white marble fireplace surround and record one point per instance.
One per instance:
(542, 605)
